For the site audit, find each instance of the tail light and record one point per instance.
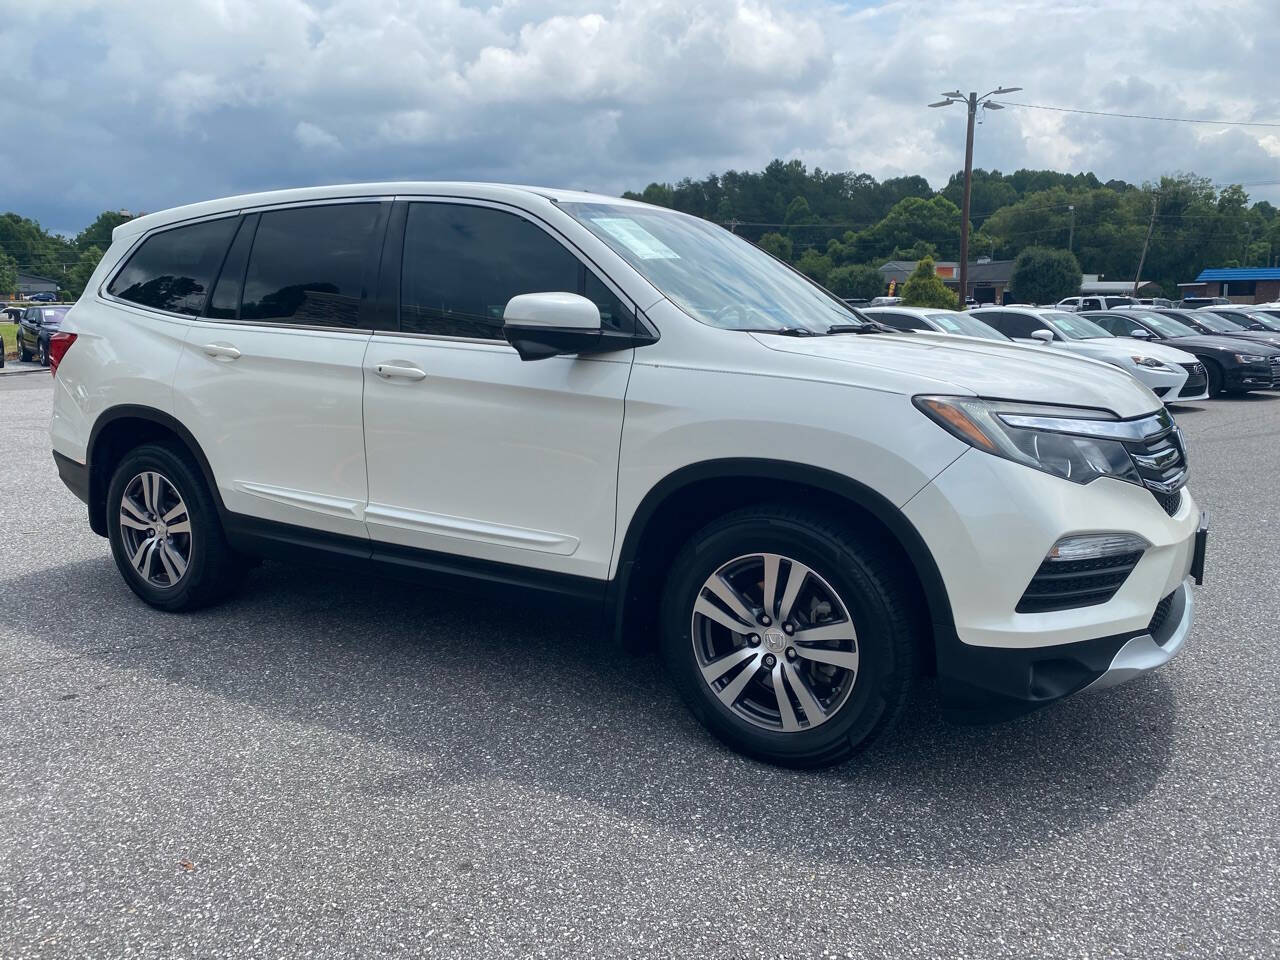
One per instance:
(59, 344)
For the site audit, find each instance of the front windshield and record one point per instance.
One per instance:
(1072, 326)
(1165, 326)
(711, 274)
(964, 325)
(53, 314)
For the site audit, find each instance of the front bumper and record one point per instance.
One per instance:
(982, 684)
(989, 523)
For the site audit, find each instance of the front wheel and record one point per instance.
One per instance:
(23, 353)
(1214, 374)
(789, 636)
(44, 353)
(164, 531)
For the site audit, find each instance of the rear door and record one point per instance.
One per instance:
(270, 379)
(472, 451)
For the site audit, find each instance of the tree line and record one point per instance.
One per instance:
(838, 227)
(70, 261)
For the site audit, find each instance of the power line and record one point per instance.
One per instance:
(1141, 116)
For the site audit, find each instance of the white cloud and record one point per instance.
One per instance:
(313, 137)
(218, 96)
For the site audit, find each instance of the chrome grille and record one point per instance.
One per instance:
(1197, 378)
(1161, 459)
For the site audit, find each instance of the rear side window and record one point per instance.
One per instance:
(174, 269)
(463, 263)
(311, 265)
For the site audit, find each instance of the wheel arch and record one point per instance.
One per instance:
(122, 428)
(691, 496)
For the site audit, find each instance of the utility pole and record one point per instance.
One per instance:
(964, 208)
(1151, 225)
(1071, 231)
(971, 102)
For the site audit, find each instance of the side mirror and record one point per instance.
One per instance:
(1140, 334)
(1044, 336)
(541, 325)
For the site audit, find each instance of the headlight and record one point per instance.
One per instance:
(1077, 445)
(1249, 358)
(1150, 362)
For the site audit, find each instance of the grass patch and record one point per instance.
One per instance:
(9, 333)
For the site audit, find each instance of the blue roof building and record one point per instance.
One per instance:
(1240, 284)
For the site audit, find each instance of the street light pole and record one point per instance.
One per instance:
(971, 102)
(1071, 232)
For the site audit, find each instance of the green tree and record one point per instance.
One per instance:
(814, 264)
(1045, 275)
(8, 275)
(778, 245)
(924, 289)
(98, 233)
(82, 270)
(856, 281)
(912, 220)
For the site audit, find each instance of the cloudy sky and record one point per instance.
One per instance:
(144, 104)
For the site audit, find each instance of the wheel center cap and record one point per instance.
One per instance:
(775, 640)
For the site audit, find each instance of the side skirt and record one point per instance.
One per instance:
(293, 544)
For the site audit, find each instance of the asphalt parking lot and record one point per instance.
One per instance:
(330, 768)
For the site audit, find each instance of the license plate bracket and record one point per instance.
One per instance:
(1197, 556)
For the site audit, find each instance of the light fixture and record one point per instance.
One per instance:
(942, 103)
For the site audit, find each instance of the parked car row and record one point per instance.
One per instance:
(1182, 355)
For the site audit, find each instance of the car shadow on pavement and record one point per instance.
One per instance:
(470, 691)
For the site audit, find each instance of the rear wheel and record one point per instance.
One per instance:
(165, 534)
(789, 636)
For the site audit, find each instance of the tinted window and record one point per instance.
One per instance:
(308, 265)
(1120, 326)
(463, 263)
(1013, 324)
(225, 301)
(1090, 303)
(173, 270)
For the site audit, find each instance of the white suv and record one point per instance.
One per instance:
(555, 393)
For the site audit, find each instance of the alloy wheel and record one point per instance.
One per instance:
(775, 642)
(155, 529)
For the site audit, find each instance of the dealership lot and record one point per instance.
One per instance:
(335, 768)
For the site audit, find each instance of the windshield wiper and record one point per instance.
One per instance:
(871, 326)
(781, 331)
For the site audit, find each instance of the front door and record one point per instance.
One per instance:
(472, 451)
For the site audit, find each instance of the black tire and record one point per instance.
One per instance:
(869, 584)
(23, 353)
(1214, 374)
(213, 569)
(44, 353)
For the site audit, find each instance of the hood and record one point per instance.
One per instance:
(942, 363)
(1258, 336)
(1210, 342)
(1129, 347)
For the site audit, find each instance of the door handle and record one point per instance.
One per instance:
(221, 351)
(398, 371)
